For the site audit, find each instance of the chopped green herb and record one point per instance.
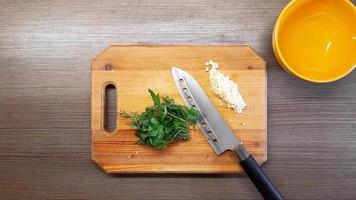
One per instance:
(162, 123)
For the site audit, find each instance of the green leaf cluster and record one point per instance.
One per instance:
(163, 122)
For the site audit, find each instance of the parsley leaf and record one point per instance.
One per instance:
(162, 123)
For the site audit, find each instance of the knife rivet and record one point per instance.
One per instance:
(181, 80)
(215, 140)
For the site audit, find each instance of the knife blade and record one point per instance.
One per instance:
(218, 134)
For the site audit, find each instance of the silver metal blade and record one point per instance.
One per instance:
(211, 123)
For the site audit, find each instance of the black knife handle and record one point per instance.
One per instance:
(257, 175)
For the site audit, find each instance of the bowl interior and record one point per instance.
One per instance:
(317, 39)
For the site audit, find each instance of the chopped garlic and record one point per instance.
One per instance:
(212, 64)
(225, 88)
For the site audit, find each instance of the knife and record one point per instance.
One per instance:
(218, 134)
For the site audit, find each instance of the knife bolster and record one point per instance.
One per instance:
(241, 153)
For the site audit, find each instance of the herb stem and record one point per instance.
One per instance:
(175, 116)
(176, 135)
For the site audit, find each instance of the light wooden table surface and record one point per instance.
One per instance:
(45, 53)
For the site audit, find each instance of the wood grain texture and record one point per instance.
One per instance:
(134, 69)
(45, 53)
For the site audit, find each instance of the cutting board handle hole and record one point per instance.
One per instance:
(110, 108)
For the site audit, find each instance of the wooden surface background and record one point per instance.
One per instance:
(45, 53)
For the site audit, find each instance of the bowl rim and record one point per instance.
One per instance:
(279, 56)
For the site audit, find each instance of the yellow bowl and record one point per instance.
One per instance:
(316, 39)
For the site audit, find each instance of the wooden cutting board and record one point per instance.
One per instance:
(134, 69)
